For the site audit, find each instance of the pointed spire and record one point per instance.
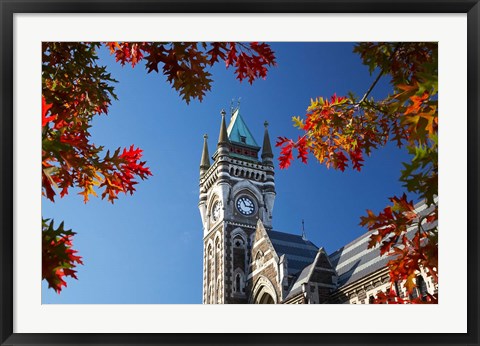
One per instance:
(267, 153)
(223, 137)
(304, 235)
(238, 131)
(205, 162)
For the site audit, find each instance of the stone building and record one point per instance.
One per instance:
(245, 261)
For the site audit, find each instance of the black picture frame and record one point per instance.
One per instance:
(9, 8)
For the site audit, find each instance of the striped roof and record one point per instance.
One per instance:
(354, 261)
(299, 251)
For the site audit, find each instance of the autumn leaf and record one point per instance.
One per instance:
(301, 146)
(286, 154)
(45, 109)
(76, 89)
(59, 260)
(341, 131)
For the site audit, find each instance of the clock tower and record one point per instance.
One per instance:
(237, 190)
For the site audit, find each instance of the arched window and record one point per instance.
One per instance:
(209, 269)
(217, 256)
(422, 287)
(420, 291)
(398, 289)
(239, 283)
(238, 242)
(371, 300)
(219, 291)
(259, 260)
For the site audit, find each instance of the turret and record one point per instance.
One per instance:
(222, 162)
(204, 166)
(269, 190)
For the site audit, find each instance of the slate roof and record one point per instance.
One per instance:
(351, 262)
(238, 129)
(354, 261)
(299, 252)
(302, 278)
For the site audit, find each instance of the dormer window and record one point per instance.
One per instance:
(243, 139)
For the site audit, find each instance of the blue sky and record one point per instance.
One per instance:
(147, 248)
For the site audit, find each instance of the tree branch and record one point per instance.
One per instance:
(378, 77)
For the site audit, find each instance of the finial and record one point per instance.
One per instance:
(304, 236)
(205, 161)
(267, 154)
(223, 137)
(233, 109)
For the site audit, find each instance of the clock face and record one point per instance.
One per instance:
(216, 211)
(245, 205)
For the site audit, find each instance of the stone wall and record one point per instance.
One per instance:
(263, 275)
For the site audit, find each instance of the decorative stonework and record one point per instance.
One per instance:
(240, 262)
(228, 232)
(262, 287)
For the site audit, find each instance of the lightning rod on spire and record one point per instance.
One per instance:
(304, 236)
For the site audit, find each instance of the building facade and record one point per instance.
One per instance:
(245, 261)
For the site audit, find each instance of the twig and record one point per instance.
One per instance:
(378, 77)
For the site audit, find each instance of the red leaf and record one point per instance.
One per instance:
(357, 159)
(340, 161)
(286, 152)
(45, 108)
(302, 149)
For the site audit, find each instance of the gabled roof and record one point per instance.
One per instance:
(238, 131)
(302, 278)
(311, 274)
(299, 252)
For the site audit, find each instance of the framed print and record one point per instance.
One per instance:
(180, 204)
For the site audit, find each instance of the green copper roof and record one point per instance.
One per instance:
(238, 131)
